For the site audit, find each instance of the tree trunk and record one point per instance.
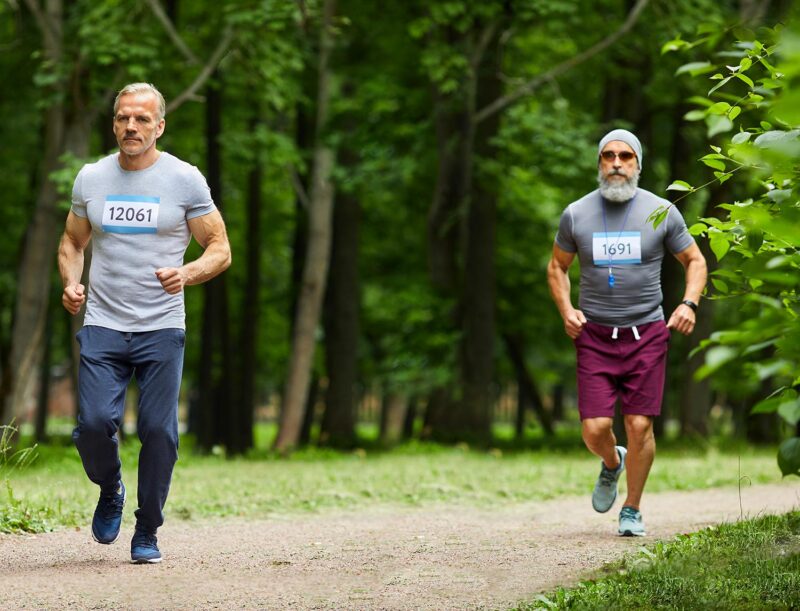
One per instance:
(40, 431)
(393, 417)
(249, 331)
(317, 257)
(65, 130)
(342, 325)
(526, 382)
(479, 284)
(217, 421)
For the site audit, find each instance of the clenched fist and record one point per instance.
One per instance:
(172, 279)
(73, 297)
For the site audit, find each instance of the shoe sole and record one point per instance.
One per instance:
(146, 561)
(630, 533)
(105, 542)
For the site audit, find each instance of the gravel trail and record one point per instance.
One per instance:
(436, 557)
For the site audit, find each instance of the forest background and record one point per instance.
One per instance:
(392, 175)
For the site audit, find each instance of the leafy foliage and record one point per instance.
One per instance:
(758, 234)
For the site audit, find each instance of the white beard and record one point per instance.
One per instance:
(618, 191)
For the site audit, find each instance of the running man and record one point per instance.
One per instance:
(619, 332)
(140, 207)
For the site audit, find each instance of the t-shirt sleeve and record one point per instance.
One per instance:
(78, 203)
(565, 239)
(199, 202)
(678, 237)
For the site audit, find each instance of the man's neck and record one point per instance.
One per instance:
(143, 160)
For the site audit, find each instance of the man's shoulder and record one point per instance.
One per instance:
(104, 164)
(590, 200)
(179, 168)
(650, 199)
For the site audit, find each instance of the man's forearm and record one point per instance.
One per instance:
(696, 277)
(558, 282)
(70, 262)
(214, 260)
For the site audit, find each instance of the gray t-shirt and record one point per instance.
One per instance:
(626, 243)
(139, 224)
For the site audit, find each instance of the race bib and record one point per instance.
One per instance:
(622, 248)
(130, 214)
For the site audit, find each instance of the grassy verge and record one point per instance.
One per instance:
(54, 492)
(748, 565)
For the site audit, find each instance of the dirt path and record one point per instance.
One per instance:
(443, 557)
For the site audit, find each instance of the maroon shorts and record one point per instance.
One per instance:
(623, 368)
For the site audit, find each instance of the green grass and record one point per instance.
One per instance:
(54, 492)
(748, 565)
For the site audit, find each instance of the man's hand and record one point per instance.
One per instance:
(73, 297)
(173, 279)
(682, 319)
(574, 322)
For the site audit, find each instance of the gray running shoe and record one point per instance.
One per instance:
(605, 490)
(630, 522)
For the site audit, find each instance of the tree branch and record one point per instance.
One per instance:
(205, 73)
(529, 86)
(298, 187)
(45, 25)
(158, 11)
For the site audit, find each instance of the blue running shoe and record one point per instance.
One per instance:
(605, 490)
(630, 522)
(144, 548)
(108, 516)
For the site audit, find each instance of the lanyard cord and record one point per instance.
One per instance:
(605, 228)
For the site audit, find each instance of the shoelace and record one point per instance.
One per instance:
(608, 476)
(628, 513)
(113, 505)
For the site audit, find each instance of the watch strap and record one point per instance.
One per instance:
(690, 303)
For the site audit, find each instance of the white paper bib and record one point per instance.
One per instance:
(130, 214)
(621, 248)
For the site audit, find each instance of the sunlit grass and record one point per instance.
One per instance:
(414, 474)
(748, 565)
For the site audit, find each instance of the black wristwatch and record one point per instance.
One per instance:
(690, 303)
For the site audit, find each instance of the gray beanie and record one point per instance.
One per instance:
(623, 135)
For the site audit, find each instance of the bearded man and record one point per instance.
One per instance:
(620, 335)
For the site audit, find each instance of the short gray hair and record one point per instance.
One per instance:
(142, 88)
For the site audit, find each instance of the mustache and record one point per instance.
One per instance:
(616, 172)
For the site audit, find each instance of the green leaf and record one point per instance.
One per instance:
(720, 285)
(698, 229)
(673, 45)
(734, 112)
(755, 238)
(719, 245)
(695, 115)
(718, 85)
(745, 64)
(718, 125)
(680, 185)
(789, 457)
(741, 138)
(695, 68)
(714, 163)
(745, 79)
(720, 108)
(790, 411)
(722, 176)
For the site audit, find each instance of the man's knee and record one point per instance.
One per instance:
(596, 429)
(639, 429)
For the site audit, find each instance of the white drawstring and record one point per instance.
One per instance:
(615, 333)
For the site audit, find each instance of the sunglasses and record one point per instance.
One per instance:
(623, 156)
